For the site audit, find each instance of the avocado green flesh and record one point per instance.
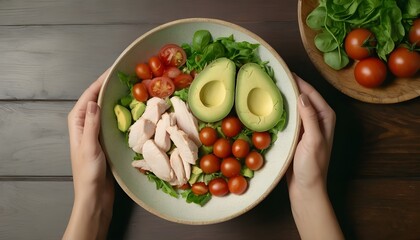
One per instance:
(211, 94)
(258, 103)
(123, 117)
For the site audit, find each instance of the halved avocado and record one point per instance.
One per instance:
(211, 94)
(123, 117)
(258, 102)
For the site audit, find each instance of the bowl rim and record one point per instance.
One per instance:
(288, 161)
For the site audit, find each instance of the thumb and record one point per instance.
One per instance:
(309, 117)
(92, 124)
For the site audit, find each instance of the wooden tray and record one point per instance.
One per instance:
(394, 90)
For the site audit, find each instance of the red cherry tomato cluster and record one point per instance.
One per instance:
(161, 75)
(370, 71)
(230, 154)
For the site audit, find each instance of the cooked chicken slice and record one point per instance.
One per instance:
(141, 164)
(188, 150)
(141, 131)
(178, 167)
(162, 139)
(187, 169)
(154, 109)
(185, 120)
(158, 161)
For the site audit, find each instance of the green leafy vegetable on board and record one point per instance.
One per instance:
(387, 19)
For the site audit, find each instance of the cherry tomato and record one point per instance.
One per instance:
(172, 55)
(218, 187)
(199, 188)
(254, 160)
(231, 126)
(403, 62)
(237, 185)
(230, 167)
(370, 72)
(140, 92)
(210, 163)
(208, 136)
(172, 72)
(261, 140)
(194, 73)
(185, 186)
(183, 80)
(147, 82)
(358, 42)
(143, 71)
(414, 33)
(240, 148)
(156, 66)
(161, 87)
(222, 148)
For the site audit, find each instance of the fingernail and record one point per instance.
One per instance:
(92, 107)
(304, 100)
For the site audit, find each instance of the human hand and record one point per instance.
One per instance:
(307, 176)
(93, 183)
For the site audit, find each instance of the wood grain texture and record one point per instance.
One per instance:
(34, 138)
(393, 90)
(59, 62)
(28, 12)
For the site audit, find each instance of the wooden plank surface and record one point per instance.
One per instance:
(26, 213)
(28, 12)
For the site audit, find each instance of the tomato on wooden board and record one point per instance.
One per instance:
(143, 71)
(231, 126)
(161, 87)
(182, 81)
(208, 136)
(222, 148)
(230, 167)
(254, 160)
(261, 140)
(218, 187)
(210, 163)
(240, 148)
(172, 55)
(370, 72)
(199, 188)
(156, 66)
(358, 43)
(171, 72)
(414, 33)
(140, 92)
(237, 185)
(403, 62)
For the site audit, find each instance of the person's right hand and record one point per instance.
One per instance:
(307, 176)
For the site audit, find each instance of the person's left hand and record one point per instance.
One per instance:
(93, 183)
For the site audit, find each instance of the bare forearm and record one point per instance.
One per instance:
(87, 221)
(315, 217)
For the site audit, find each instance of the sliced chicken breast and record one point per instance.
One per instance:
(185, 120)
(162, 139)
(158, 161)
(188, 150)
(141, 131)
(155, 107)
(178, 167)
(141, 164)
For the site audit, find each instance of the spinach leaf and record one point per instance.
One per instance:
(164, 186)
(336, 59)
(197, 199)
(201, 39)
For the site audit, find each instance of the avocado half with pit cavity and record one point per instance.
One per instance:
(258, 103)
(211, 94)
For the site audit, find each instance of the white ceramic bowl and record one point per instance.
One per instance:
(119, 155)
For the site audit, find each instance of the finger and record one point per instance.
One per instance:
(91, 129)
(76, 117)
(325, 113)
(309, 118)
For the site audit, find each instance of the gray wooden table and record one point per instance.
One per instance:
(51, 50)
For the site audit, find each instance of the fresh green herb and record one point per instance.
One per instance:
(190, 197)
(126, 79)
(335, 18)
(138, 156)
(164, 186)
(182, 94)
